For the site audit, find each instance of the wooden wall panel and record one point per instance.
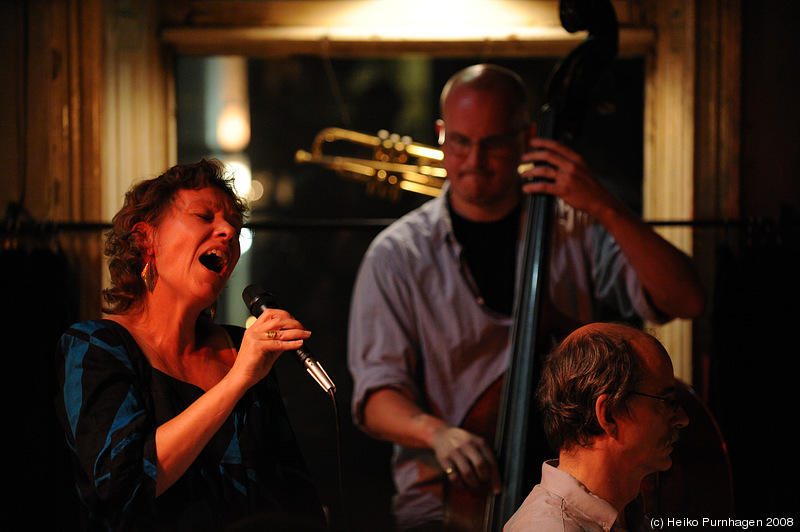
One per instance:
(717, 162)
(90, 110)
(669, 147)
(139, 120)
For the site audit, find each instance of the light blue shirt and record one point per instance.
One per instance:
(560, 503)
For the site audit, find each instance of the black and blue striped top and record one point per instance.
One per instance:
(110, 402)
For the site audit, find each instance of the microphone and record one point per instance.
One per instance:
(258, 300)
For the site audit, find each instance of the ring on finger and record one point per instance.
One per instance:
(271, 335)
(449, 471)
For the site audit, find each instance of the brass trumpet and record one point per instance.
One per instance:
(397, 163)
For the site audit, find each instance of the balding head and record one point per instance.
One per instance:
(494, 79)
(596, 359)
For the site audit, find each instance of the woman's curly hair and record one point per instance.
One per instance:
(148, 201)
(575, 374)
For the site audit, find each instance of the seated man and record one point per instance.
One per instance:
(609, 405)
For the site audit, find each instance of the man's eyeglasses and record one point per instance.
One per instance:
(671, 401)
(494, 146)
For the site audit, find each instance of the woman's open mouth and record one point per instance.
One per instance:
(215, 260)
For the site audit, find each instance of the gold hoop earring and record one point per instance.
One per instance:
(149, 276)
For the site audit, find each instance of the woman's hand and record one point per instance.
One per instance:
(274, 332)
(180, 440)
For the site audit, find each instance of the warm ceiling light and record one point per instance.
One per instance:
(446, 19)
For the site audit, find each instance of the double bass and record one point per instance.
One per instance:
(505, 412)
(519, 441)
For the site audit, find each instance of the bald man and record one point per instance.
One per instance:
(431, 312)
(609, 402)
